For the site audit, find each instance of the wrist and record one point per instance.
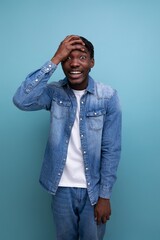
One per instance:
(55, 60)
(104, 199)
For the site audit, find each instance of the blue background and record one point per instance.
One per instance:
(126, 36)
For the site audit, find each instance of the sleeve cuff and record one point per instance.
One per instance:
(49, 66)
(105, 192)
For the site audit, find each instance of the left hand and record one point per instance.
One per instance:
(102, 210)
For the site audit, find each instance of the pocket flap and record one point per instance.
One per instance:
(96, 113)
(62, 102)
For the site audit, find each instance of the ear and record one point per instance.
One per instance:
(92, 63)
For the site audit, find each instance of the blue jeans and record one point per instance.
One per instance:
(73, 215)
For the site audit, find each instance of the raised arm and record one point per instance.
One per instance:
(34, 93)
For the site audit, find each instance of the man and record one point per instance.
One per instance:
(84, 144)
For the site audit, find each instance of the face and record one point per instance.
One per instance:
(76, 68)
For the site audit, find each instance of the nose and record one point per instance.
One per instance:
(74, 62)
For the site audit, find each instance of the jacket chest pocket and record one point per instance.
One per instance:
(95, 119)
(60, 108)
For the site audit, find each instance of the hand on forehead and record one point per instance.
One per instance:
(69, 44)
(73, 39)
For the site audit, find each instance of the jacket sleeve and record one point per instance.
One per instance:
(111, 146)
(34, 93)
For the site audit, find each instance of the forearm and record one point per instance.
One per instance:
(32, 94)
(108, 174)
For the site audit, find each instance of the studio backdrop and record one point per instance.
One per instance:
(126, 37)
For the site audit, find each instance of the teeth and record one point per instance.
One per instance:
(75, 72)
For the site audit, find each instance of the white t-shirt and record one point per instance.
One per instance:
(73, 174)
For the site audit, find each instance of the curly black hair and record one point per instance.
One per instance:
(89, 46)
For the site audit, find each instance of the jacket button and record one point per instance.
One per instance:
(28, 90)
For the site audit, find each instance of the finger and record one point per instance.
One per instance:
(74, 43)
(98, 219)
(72, 36)
(96, 216)
(73, 39)
(68, 48)
(105, 219)
(77, 47)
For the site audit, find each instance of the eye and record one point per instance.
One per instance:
(68, 58)
(83, 57)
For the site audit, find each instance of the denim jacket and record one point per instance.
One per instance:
(100, 128)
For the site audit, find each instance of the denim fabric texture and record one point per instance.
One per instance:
(100, 128)
(73, 215)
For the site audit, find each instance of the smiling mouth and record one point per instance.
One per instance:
(75, 74)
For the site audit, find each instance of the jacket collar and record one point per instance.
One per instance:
(90, 88)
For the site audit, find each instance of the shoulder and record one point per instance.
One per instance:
(110, 97)
(104, 90)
